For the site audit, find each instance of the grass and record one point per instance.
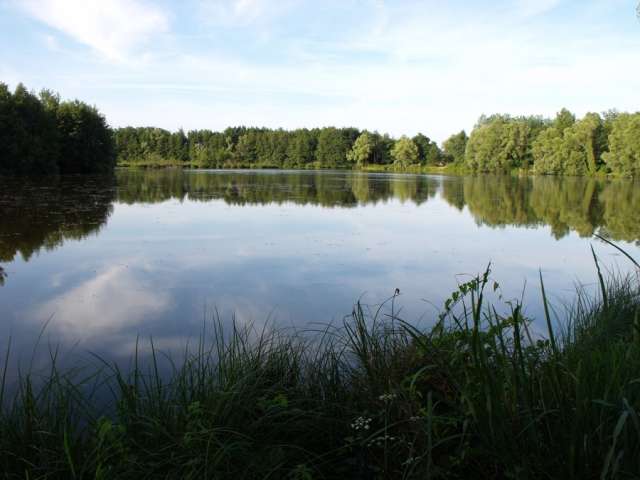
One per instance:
(478, 395)
(155, 161)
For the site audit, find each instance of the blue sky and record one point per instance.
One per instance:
(395, 66)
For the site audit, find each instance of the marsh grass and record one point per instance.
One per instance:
(478, 395)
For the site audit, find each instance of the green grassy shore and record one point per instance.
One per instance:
(153, 162)
(477, 395)
(448, 169)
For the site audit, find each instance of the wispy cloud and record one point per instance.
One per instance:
(230, 13)
(396, 66)
(89, 310)
(114, 28)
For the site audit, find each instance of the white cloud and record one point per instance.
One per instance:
(229, 13)
(400, 67)
(115, 28)
(104, 304)
(51, 42)
(531, 8)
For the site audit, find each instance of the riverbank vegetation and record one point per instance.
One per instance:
(264, 148)
(596, 144)
(41, 134)
(480, 394)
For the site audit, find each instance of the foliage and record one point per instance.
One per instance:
(478, 395)
(502, 143)
(42, 135)
(333, 145)
(86, 145)
(455, 146)
(623, 157)
(571, 147)
(362, 150)
(405, 152)
(28, 136)
(428, 151)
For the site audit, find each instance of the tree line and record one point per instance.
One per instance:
(607, 143)
(41, 134)
(243, 147)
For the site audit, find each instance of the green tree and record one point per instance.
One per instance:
(362, 149)
(86, 143)
(549, 152)
(501, 142)
(382, 145)
(245, 152)
(571, 148)
(301, 148)
(564, 119)
(28, 136)
(428, 151)
(623, 157)
(404, 152)
(455, 146)
(333, 145)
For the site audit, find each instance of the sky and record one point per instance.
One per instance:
(401, 67)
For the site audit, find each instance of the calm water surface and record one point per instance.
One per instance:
(156, 252)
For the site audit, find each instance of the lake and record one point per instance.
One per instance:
(102, 260)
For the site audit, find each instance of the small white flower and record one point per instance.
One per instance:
(387, 397)
(361, 423)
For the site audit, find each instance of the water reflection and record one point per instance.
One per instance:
(104, 304)
(43, 213)
(327, 189)
(566, 204)
(154, 252)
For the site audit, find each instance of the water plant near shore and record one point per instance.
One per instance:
(477, 395)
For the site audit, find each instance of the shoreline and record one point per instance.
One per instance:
(474, 396)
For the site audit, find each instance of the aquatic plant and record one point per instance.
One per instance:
(477, 395)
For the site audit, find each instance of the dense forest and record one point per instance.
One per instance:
(607, 143)
(243, 147)
(40, 134)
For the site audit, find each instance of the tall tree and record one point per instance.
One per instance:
(502, 142)
(360, 153)
(301, 148)
(405, 152)
(455, 146)
(428, 151)
(623, 157)
(564, 119)
(29, 140)
(333, 145)
(86, 143)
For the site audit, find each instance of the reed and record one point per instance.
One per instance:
(477, 395)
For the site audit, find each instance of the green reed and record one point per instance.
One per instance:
(477, 395)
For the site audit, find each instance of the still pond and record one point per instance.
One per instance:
(103, 260)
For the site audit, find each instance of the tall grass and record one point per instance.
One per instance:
(478, 395)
